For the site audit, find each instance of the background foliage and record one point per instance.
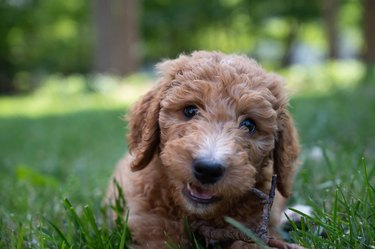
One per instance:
(61, 116)
(63, 36)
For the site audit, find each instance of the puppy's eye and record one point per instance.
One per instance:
(190, 111)
(249, 125)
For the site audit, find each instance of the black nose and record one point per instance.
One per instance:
(207, 171)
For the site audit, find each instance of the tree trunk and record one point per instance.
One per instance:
(6, 76)
(330, 19)
(289, 42)
(369, 31)
(369, 39)
(117, 36)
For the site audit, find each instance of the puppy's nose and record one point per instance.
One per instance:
(207, 171)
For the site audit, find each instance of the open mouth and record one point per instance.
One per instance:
(200, 195)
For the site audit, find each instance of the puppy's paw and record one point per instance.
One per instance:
(243, 245)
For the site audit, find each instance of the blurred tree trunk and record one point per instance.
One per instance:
(369, 31)
(6, 76)
(330, 8)
(289, 42)
(369, 38)
(117, 36)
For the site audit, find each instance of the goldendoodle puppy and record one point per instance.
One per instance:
(214, 127)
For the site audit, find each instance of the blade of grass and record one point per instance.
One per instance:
(317, 221)
(369, 188)
(328, 161)
(124, 235)
(335, 210)
(90, 216)
(80, 226)
(192, 239)
(20, 237)
(41, 241)
(65, 241)
(246, 231)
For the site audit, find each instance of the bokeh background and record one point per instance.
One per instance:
(70, 70)
(121, 37)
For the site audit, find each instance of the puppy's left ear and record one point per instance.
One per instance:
(285, 153)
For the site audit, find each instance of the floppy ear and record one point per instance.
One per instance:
(285, 153)
(143, 137)
(143, 120)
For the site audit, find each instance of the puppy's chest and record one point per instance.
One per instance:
(218, 231)
(247, 213)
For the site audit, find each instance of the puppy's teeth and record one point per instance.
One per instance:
(199, 192)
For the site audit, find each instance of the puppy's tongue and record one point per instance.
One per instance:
(199, 192)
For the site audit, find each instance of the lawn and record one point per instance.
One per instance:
(58, 147)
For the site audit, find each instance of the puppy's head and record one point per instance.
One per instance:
(214, 120)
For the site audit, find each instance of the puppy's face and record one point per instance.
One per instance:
(215, 136)
(214, 120)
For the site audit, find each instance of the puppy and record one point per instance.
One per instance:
(214, 127)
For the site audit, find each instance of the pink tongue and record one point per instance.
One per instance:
(199, 192)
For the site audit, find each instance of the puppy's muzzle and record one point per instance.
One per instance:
(207, 171)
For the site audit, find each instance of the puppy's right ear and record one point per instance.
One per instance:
(143, 120)
(144, 131)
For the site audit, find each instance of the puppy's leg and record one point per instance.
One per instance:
(154, 231)
(150, 245)
(243, 245)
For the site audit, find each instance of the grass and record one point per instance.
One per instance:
(59, 145)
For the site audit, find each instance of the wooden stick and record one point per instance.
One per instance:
(262, 230)
(267, 200)
(233, 234)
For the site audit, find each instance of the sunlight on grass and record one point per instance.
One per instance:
(29, 174)
(61, 95)
(322, 78)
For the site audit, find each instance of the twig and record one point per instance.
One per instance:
(262, 230)
(232, 234)
(267, 200)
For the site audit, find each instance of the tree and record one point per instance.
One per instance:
(40, 37)
(295, 12)
(9, 19)
(117, 36)
(330, 8)
(369, 39)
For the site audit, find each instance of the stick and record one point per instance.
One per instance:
(233, 234)
(267, 200)
(262, 230)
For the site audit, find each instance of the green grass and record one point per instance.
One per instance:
(58, 148)
(55, 144)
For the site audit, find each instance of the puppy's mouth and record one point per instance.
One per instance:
(199, 194)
